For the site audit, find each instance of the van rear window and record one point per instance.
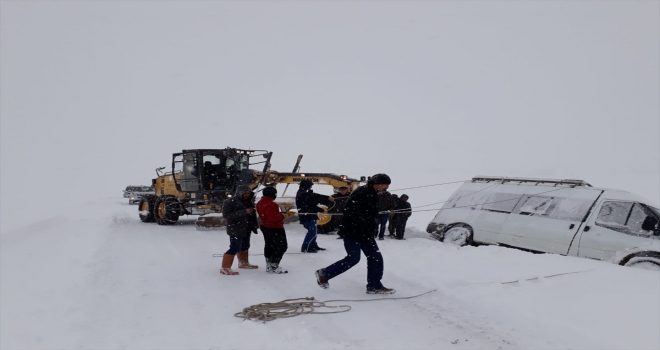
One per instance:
(470, 199)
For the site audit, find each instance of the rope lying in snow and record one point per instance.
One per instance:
(557, 274)
(301, 306)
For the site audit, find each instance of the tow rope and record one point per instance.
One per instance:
(301, 306)
(398, 211)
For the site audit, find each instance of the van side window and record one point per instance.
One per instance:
(613, 214)
(560, 208)
(571, 209)
(502, 202)
(624, 217)
(535, 205)
(471, 199)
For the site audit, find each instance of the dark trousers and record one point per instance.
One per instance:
(400, 226)
(390, 224)
(375, 264)
(238, 244)
(310, 238)
(275, 244)
(382, 224)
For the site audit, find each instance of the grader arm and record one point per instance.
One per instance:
(286, 204)
(273, 178)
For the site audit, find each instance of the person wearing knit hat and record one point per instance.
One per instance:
(272, 226)
(307, 203)
(402, 213)
(340, 202)
(357, 229)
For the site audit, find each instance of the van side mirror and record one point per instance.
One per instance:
(650, 224)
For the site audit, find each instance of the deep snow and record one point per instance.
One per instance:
(101, 279)
(95, 95)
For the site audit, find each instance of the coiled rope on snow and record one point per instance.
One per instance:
(301, 306)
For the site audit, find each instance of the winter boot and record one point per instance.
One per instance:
(268, 266)
(243, 262)
(321, 280)
(383, 290)
(275, 268)
(227, 261)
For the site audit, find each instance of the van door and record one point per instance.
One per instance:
(495, 211)
(546, 219)
(614, 227)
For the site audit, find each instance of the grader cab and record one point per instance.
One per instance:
(201, 180)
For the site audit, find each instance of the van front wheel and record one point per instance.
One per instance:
(459, 235)
(645, 260)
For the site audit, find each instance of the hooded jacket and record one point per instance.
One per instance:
(360, 214)
(239, 222)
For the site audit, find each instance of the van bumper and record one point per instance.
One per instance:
(435, 230)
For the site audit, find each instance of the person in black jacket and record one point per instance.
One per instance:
(307, 203)
(357, 229)
(390, 221)
(386, 203)
(403, 212)
(341, 197)
(241, 222)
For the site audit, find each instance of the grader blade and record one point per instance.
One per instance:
(209, 222)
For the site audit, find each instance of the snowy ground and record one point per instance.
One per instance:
(100, 279)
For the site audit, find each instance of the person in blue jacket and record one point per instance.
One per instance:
(307, 203)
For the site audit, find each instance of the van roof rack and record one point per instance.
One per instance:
(528, 179)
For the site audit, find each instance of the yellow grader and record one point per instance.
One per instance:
(202, 179)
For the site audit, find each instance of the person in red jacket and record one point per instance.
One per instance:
(272, 226)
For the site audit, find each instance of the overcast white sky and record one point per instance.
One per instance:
(96, 95)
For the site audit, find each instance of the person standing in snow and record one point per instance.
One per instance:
(340, 202)
(241, 222)
(357, 229)
(272, 227)
(385, 204)
(307, 203)
(403, 212)
(390, 221)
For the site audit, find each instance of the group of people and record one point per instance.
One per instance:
(364, 214)
(393, 214)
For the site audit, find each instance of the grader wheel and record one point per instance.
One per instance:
(167, 210)
(146, 208)
(324, 217)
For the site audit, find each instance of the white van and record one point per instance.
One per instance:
(568, 217)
